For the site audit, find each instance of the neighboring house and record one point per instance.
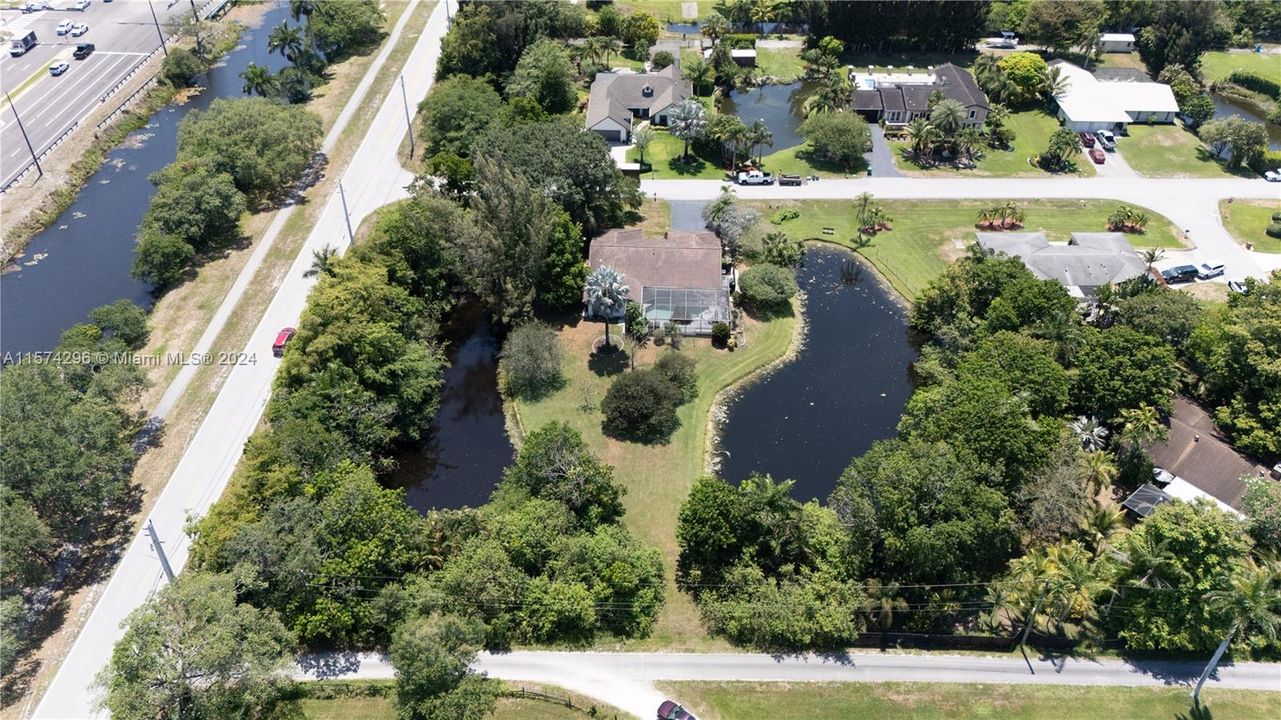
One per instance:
(1116, 42)
(618, 98)
(1083, 264)
(676, 277)
(1199, 459)
(898, 98)
(743, 57)
(1089, 103)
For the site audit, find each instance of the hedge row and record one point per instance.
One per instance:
(1256, 82)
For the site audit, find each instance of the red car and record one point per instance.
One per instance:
(1087, 139)
(282, 337)
(671, 711)
(1097, 156)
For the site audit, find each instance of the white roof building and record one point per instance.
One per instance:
(1116, 42)
(1089, 104)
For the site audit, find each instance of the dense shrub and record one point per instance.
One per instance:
(530, 361)
(1256, 82)
(766, 289)
(1274, 230)
(680, 371)
(784, 215)
(641, 406)
(182, 67)
(720, 334)
(662, 59)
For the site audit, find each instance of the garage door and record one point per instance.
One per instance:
(610, 135)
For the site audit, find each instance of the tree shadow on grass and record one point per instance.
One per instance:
(608, 361)
(819, 163)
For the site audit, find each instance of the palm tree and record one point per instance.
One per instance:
(762, 12)
(985, 66)
(1063, 145)
(1253, 602)
(643, 136)
(688, 121)
(1090, 432)
(923, 136)
(714, 27)
(1100, 471)
(699, 73)
(1056, 83)
(606, 295)
(593, 48)
(759, 134)
(968, 143)
(259, 81)
(835, 94)
(1101, 522)
(1152, 255)
(287, 40)
(1141, 424)
(881, 604)
(1153, 566)
(948, 116)
(611, 46)
(322, 262)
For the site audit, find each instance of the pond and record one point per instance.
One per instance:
(844, 390)
(780, 106)
(462, 458)
(82, 260)
(1225, 108)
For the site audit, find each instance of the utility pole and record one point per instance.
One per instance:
(160, 34)
(160, 551)
(408, 122)
(351, 236)
(1032, 619)
(1209, 668)
(195, 28)
(30, 149)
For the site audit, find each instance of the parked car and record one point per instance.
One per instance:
(1096, 154)
(32, 7)
(755, 177)
(671, 711)
(1180, 274)
(20, 45)
(790, 180)
(1106, 139)
(282, 338)
(1207, 270)
(83, 50)
(57, 69)
(1273, 175)
(82, 5)
(79, 29)
(1087, 139)
(64, 27)
(1236, 286)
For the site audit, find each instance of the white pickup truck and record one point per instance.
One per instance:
(755, 177)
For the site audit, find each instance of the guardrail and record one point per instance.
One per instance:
(123, 105)
(39, 156)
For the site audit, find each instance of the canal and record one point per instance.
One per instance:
(844, 390)
(82, 260)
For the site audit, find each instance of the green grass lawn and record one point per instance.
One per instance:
(925, 232)
(1032, 130)
(921, 701)
(665, 10)
(1168, 151)
(657, 477)
(665, 151)
(1220, 64)
(782, 63)
(1246, 220)
(799, 160)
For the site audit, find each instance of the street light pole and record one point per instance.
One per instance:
(342, 194)
(160, 34)
(160, 551)
(30, 149)
(408, 123)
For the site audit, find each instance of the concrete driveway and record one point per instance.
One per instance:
(880, 161)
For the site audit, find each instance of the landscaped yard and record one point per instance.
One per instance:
(1220, 64)
(782, 63)
(657, 477)
(927, 234)
(1246, 220)
(919, 701)
(1032, 131)
(1168, 151)
(665, 150)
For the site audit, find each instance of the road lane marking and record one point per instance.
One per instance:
(52, 100)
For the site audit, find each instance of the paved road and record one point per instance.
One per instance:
(373, 178)
(1192, 204)
(123, 33)
(625, 679)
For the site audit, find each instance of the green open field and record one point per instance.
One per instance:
(921, 701)
(1032, 131)
(508, 708)
(925, 233)
(1168, 151)
(1220, 64)
(1246, 220)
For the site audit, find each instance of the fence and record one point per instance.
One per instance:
(523, 694)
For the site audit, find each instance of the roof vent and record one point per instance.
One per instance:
(647, 91)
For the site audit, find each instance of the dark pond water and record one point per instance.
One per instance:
(463, 457)
(778, 105)
(82, 260)
(1223, 108)
(845, 389)
(685, 28)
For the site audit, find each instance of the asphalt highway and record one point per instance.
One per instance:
(123, 34)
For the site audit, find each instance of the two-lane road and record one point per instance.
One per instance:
(123, 34)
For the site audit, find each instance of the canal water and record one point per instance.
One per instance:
(844, 390)
(82, 260)
(463, 456)
(780, 106)
(1224, 108)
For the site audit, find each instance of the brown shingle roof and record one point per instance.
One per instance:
(678, 259)
(1210, 463)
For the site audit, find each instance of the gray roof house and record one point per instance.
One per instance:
(676, 277)
(899, 97)
(617, 98)
(1089, 260)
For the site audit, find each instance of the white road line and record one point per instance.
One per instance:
(85, 79)
(95, 88)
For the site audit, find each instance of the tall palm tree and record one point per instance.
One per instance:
(611, 46)
(948, 116)
(1253, 602)
(699, 73)
(882, 602)
(688, 121)
(287, 40)
(1056, 83)
(1100, 471)
(714, 27)
(968, 142)
(762, 12)
(259, 81)
(758, 134)
(1101, 523)
(593, 49)
(984, 67)
(643, 136)
(1152, 256)
(322, 262)
(1152, 565)
(1091, 433)
(834, 94)
(923, 136)
(606, 295)
(1141, 424)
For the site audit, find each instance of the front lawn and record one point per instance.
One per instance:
(919, 701)
(928, 234)
(1032, 131)
(782, 63)
(657, 477)
(800, 160)
(1168, 151)
(1246, 220)
(1219, 65)
(664, 158)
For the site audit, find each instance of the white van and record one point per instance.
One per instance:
(21, 45)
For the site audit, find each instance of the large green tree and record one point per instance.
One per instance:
(1181, 31)
(555, 463)
(432, 656)
(1121, 369)
(842, 137)
(1064, 25)
(458, 111)
(196, 203)
(546, 75)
